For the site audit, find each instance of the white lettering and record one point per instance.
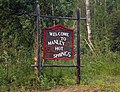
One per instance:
(58, 48)
(63, 38)
(49, 43)
(50, 33)
(62, 54)
(59, 34)
(54, 55)
(56, 42)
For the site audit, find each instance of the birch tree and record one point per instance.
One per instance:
(89, 24)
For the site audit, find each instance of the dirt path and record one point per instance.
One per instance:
(113, 87)
(77, 89)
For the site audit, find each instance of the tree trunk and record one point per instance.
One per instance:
(88, 18)
(94, 13)
(88, 22)
(105, 5)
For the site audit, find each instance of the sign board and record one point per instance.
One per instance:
(58, 43)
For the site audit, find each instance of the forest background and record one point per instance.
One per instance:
(17, 37)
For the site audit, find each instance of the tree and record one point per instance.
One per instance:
(89, 24)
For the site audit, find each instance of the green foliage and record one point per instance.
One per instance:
(17, 39)
(115, 26)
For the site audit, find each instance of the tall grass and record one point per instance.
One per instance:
(98, 70)
(103, 67)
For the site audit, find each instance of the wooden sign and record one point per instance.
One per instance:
(58, 43)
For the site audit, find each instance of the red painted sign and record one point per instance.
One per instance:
(58, 43)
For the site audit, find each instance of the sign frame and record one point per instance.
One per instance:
(39, 65)
(54, 29)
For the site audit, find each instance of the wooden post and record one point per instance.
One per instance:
(78, 46)
(38, 39)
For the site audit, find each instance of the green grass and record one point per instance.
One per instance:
(100, 70)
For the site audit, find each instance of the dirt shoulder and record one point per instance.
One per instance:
(76, 89)
(103, 88)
